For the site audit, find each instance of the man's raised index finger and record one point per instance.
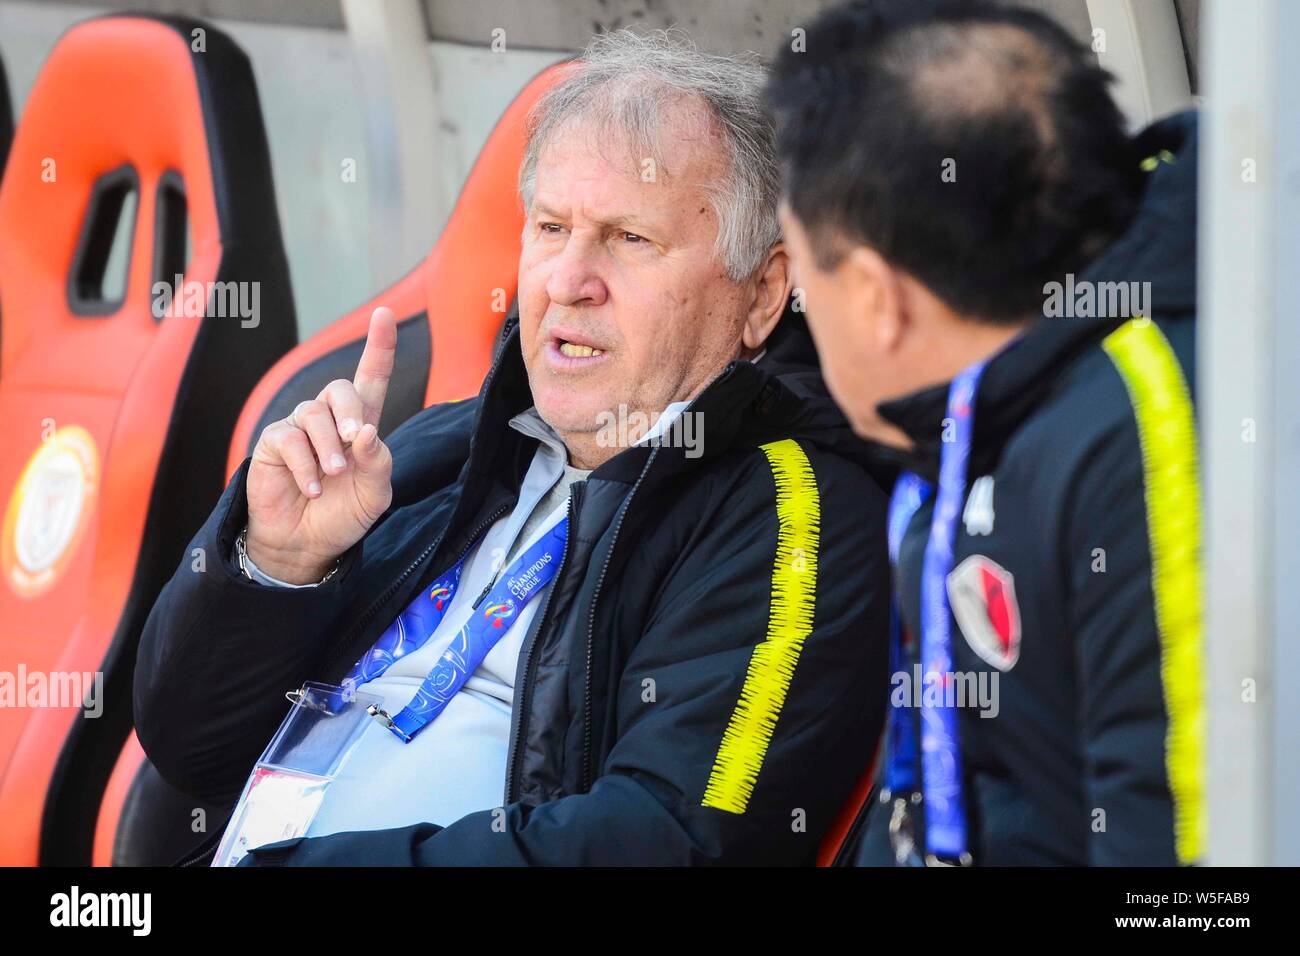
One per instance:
(376, 365)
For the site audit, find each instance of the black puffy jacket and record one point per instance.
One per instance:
(750, 583)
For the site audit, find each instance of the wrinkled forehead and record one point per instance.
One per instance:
(676, 144)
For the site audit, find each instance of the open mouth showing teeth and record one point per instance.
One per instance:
(579, 351)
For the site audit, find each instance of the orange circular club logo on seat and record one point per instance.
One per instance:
(49, 510)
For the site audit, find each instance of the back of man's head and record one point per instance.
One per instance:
(973, 145)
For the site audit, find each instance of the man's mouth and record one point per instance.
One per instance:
(574, 350)
(571, 351)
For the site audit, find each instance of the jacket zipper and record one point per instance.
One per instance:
(512, 760)
(206, 850)
(600, 581)
(591, 622)
(484, 593)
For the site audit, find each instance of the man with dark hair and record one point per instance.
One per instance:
(1001, 286)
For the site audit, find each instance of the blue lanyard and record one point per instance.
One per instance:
(910, 492)
(526, 577)
(940, 757)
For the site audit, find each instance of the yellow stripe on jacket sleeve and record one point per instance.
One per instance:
(1167, 432)
(790, 621)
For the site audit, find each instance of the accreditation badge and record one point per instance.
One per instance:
(289, 782)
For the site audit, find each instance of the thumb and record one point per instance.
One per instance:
(374, 465)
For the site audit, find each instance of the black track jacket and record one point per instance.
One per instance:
(1076, 578)
(750, 584)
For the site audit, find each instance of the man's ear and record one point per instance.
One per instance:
(878, 292)
(772, 286)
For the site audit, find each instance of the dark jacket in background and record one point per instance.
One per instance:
(1092, 563)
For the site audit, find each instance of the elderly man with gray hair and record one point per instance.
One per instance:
(628, 606)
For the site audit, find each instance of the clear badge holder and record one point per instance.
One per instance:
(288, 783)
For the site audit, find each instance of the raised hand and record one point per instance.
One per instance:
(321, 478)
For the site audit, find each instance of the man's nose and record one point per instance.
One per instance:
(574, 279)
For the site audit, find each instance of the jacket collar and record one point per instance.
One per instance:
(530, 422)
(1014, 383)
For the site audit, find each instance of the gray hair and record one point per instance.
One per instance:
(623, 81)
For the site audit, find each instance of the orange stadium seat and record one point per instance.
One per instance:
(141, 145)
(450, 310)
